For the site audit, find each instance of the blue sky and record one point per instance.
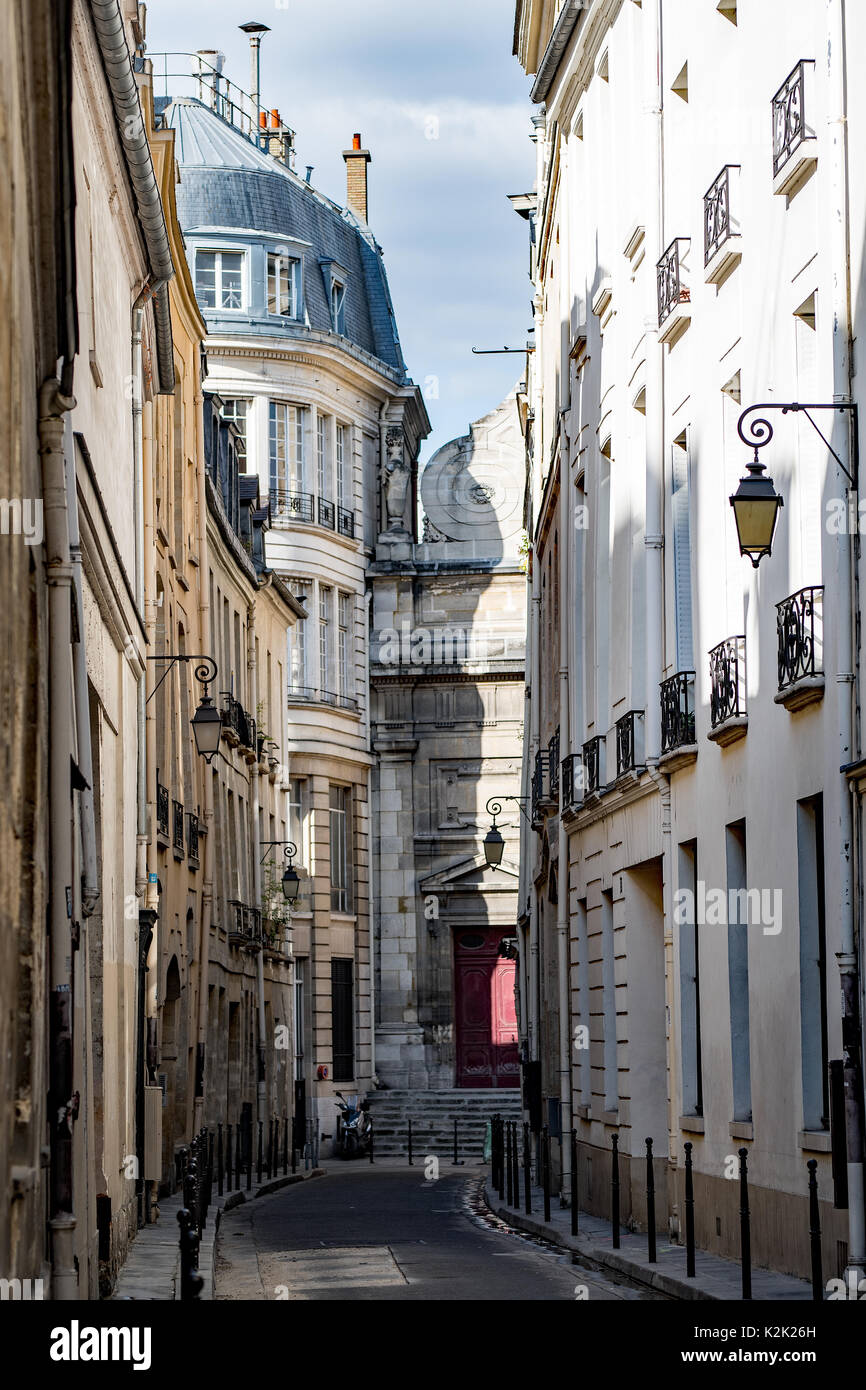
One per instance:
(400, 72)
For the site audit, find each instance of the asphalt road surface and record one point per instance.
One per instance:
(362, 1232)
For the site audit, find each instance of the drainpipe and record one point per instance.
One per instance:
(90, 876)
(207, 646)
(368, 605)
(255, 841)
(562, 904)
(847, 665)
(60, 576)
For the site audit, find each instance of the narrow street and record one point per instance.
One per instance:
(387, 1233)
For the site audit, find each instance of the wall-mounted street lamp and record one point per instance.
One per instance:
(290, 881)
(494, 844)
(207, 721)
(756, 503)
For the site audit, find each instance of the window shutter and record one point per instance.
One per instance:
(680, 507)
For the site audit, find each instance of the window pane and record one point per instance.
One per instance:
(231, 280)
(237, 411)
(341, 873)
(343, 1019)
(342, 480)
(205, 279)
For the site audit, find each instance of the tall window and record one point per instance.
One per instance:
(326, 647)
(813, 963)
(286, 447)
(340, 806)
(299, 835)
(297, 643)
(299, 1019)
(282, 285)
(343, 1019)
(738, 969)
(608, 1003)
(236, 411)
(342, 468)
(680, 515)
(690, 984)
(322, 461)
(219, 279)
(338, 306)
(344, 643)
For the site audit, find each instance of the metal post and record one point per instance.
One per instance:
(285, 1145)
(527, 1171)
(745, 1234)
(371, 1138)
(614, 1189)
(458, 1162)
(191, 1282)
(249, 1129)
(650, 1204)
(500, 1157)
(259, 1163)
(690, 1215)
(410, 1141)
(228, 1157)
(574, 1193)
(545, 1169)
(515, 1163)
(219, 1159)
(815, 1232)
(509, 1168)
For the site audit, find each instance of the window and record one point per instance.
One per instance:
(297, 647)
(340, 805)
(344, 648)
(608, 1004)
(326, 621)
(342, 468)
(219, 279)
(338, 306)
(343, 1019)
(286, 447)
(680, 514)
(813, 964)
(690, 985)
(236, 411)
(322, 462)
(299, 1020)
(298, 834)
(282, 285)
(738, 969)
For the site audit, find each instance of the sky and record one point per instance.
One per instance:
(444, 109)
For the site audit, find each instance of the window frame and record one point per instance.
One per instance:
(284, 261)
(341, 865)
(218, 252)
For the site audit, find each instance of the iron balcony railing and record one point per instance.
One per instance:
(728, 680)
(629, 755)
(592, 764)
(327, 697)
(717, 214)
(571, 781)
(192, 838)
(346, 523)
(162, 800)
(283, 503)
(235, 717)
(540, 778)
(553, 766)
(678, 711)
(347, 702)
(301, 692)
(326, 513)
(192, 75)
(238, 926)
(799, 625)
(177, 826)
(671, 289)
(789, 117)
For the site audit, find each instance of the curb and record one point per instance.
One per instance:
(238, 1199)
(620, 1264)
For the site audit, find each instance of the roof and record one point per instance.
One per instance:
(227, 182)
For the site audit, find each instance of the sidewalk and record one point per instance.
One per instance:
(715, 1278)
(152, 1268)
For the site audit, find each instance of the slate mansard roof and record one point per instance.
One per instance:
(227, 182)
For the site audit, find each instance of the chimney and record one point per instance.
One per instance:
(356, 177)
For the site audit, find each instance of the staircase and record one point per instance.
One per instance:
(433, 1114)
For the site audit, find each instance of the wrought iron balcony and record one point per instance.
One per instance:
(177, 828)
(728, 681)
(629, 742)
(540, 788)
(678, 711)
(290, 505)
(722, 238)
(346, 523)
(238, 925)
(327, 697)
(789, 117)
(592, 765)
(799, 625)
(571, 781)
(553, 766)
(192, 838)
(238, 722)
(326, 513)
(301, 692)
(672, 291)
(162, 799)
(347, 702)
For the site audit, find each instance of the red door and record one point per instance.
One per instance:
(485, 1012)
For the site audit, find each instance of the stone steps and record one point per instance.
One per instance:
(433, 1114)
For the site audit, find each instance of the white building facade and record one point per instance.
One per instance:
(690, 882)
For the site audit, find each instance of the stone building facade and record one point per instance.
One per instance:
(449, 614)
(695, 251)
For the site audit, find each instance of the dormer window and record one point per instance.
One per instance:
(282, 285)
(338, 306)
(219, 279)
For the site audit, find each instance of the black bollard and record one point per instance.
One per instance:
(614, 1188)
(219, 1159)
(249, 1141)
(285, 1145)
(410, 1141)
(238, 1156)
(690, 1215)
(458, 1162)
(228, 1157)
(527, 1172)
(745, 1234)
(191, 1282)
(515, 1163)
(650, 1204)
(371, 1138)
(574, 1193)
(815, 1232)
(509, 1167)
(259, 1164)
(500, 1157)
(545, 1170)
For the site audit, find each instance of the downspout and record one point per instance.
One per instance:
(562, 895)
(60, 576)
(207, 647)
(148, 915)
(654, 543)
(847, 665)
(368, 605)
(90, 875)
(255, 841)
